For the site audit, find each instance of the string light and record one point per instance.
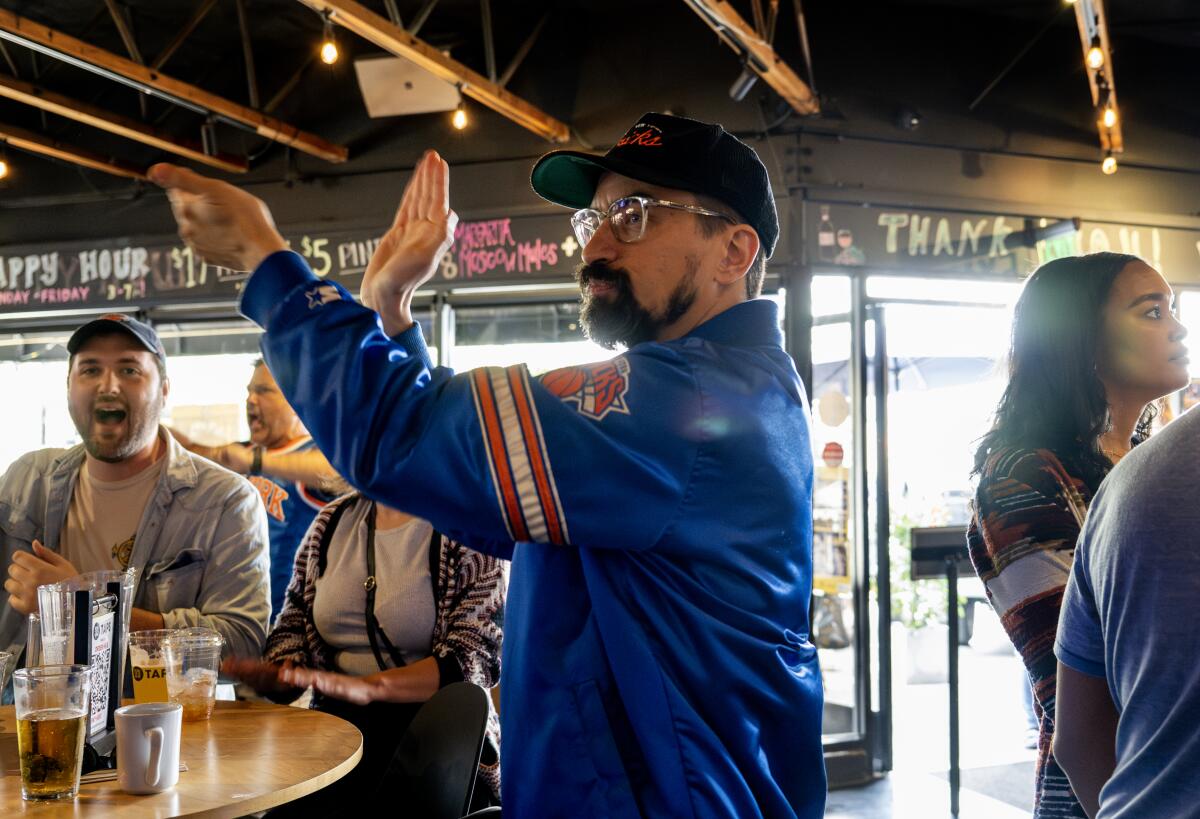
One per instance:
(3, 169)
(1109, 165)
(459, 118)
(1095, 55)
(329, 49)
(1109, 117)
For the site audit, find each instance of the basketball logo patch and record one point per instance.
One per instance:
(594, 389)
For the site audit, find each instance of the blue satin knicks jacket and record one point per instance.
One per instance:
(657, 511)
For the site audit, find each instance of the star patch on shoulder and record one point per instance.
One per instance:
(321, 295)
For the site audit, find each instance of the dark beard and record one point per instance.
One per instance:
(618, 318)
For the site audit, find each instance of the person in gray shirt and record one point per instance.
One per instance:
(129, 495)
(1128, 642)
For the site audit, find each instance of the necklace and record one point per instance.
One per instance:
(1113, 455)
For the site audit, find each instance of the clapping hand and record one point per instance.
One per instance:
(410, 251)
(222, 224)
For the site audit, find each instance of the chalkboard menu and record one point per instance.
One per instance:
(121, 274)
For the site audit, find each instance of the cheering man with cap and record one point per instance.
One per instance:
(130, 496)
(656, 506)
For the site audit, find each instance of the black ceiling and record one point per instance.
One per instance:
(597, 65)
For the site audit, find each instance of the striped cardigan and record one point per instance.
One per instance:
(1028, 511)
(469, 591)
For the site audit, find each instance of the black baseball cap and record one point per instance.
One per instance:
(672, 152)
(144, 333)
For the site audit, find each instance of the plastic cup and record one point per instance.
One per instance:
(52, 716)
(148, 662)
(7, 661)
(193, 660)
(56, 610)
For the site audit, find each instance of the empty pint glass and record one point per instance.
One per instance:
(52, 715)
(193, 659)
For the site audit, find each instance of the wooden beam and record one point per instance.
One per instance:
(47, 39)
(30, 94)
(38, 144)
(1111, 139)
(197, 16)
(758, 53)
(395, 40)
(118, 17)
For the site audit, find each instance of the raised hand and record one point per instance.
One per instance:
(410, 251)
(222, 224)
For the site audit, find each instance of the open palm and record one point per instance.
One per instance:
(413, 246)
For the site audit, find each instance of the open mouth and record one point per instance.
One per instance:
(599, 286)
(110, 416)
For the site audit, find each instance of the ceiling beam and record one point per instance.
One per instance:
(758, 54)
(1092, 23)
(197, 16)
(38, 144)
(21, 91)
(123, 28)
(64, 47)
(395, 40)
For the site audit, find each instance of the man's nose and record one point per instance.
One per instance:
(602, 246)
(109, 383)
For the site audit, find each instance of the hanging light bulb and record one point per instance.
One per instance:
(3, 169)
(1095, 55)
(1109, 165)
(459, 118)
(329, 49)
(1109, 117)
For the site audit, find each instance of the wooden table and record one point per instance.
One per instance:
(247, 758)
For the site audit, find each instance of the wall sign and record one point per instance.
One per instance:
(122, 274)
(906, 240)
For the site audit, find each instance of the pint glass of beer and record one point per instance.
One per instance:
(52, 715)
(148, 661)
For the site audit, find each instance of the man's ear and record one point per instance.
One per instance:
(166, 387)
(741, 249)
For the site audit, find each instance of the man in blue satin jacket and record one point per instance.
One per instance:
(656, 507)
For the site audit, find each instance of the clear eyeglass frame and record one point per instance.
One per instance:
(627, 218)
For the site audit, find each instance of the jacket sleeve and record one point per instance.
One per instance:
(234, 599)
(492, 456)
(470, 643)
(1025, 532)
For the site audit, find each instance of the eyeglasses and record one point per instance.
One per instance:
(627, 218)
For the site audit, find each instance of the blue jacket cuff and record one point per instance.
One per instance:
(270, 284)
(412, 341)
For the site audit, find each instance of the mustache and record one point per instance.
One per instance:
(600, 272)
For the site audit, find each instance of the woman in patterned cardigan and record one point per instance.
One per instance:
(1094, 345)
(377, 676)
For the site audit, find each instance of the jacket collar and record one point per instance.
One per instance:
(753, 323)
(180, 472)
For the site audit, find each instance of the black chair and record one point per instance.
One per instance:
(434, 767)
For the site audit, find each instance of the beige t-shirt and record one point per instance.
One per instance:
(104, 518)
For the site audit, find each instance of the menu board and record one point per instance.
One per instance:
(123, 273)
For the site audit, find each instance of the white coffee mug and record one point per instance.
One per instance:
(148, 746)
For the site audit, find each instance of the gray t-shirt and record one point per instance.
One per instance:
(404, 602)
(1129, 615)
